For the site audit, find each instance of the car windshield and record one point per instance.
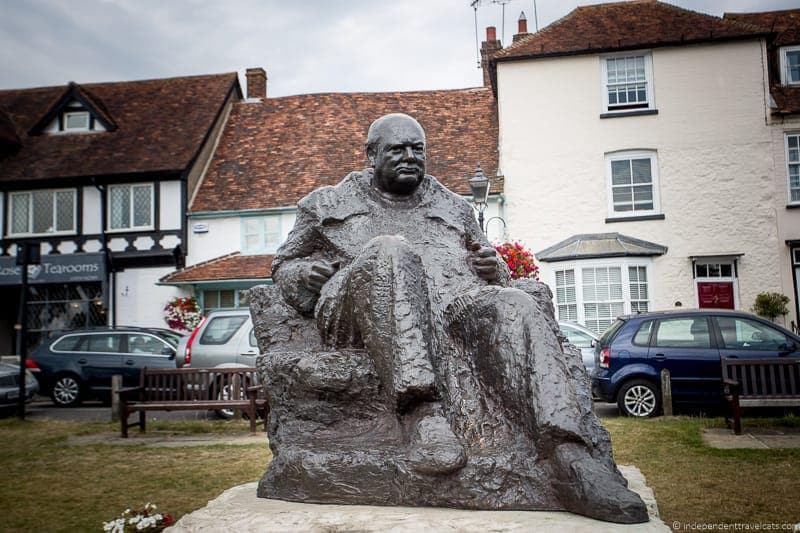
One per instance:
(610, 332)
(220, 329)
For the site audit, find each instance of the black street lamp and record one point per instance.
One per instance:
(479, 185)
(28, 253)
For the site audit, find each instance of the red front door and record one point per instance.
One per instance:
(716, 295)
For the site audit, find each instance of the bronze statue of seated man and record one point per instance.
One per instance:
(416, 372)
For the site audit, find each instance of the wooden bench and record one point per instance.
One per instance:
(187, 389)
(760, 383)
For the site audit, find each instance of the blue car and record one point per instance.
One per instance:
(632, 352)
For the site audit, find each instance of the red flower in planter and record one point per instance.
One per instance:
(519, 260)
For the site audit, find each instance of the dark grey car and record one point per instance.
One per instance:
(77, 364)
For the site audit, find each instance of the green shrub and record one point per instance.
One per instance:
(770, 304)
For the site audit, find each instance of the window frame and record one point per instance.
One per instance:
(789, 164)
(76, 112)
(649, 82)
(263, 247)
(238, 302)
(624, 264)
(30, 232)
(784, 64)
(628, 155)
(131, 227)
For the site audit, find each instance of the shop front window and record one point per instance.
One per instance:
(63, 306)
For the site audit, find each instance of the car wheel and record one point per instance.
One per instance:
(66, 391)
(639, 398)
(224, 393)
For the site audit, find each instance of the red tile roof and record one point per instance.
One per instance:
(785, 23)
(233, 266)
(787, 99)
(274, 152)
(161, 125)
(625, 26)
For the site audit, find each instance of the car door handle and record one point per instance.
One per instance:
(130, 362)
(659, 356)
(732, 357)
(82, 361)
(252, 352)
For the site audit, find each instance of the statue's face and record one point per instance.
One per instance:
(399, 156)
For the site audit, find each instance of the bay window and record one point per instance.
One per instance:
(42, 212)
(605, 290)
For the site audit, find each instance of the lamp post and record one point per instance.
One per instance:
(28, 253)
(479, 185)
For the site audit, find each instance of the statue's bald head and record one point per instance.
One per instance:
(396, 150)
(388, 125)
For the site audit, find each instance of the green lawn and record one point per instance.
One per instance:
(51, 486)
(694, 483)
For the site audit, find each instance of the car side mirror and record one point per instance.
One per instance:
(786, 348)
(593, 343)
(166, 350)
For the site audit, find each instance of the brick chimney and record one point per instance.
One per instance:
(522, 27)
(256, 83)
(489, 47)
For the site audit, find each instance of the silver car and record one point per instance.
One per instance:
(9, 386)
(223, 338)
(583, 339)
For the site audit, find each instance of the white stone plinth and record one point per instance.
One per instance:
(238, 509)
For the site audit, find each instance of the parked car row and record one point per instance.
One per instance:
(71, 366)
(625, 362)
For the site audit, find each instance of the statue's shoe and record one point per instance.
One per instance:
(589, 487)
(434, 449)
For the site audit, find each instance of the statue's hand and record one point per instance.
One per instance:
(484, 261)
(318, 274)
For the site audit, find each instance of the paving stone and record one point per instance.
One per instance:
(725, 439)
(238, 509)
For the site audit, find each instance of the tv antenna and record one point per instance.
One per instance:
(474, 4)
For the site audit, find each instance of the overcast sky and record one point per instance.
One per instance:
(305, 46)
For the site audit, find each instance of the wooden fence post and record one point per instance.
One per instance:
(666, 392)
(116, 385)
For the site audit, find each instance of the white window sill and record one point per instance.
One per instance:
(629, 113)
(74, 132)
(136, 229)
(49, 234)
(633, 218)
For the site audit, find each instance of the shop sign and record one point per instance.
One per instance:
(67, 268)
